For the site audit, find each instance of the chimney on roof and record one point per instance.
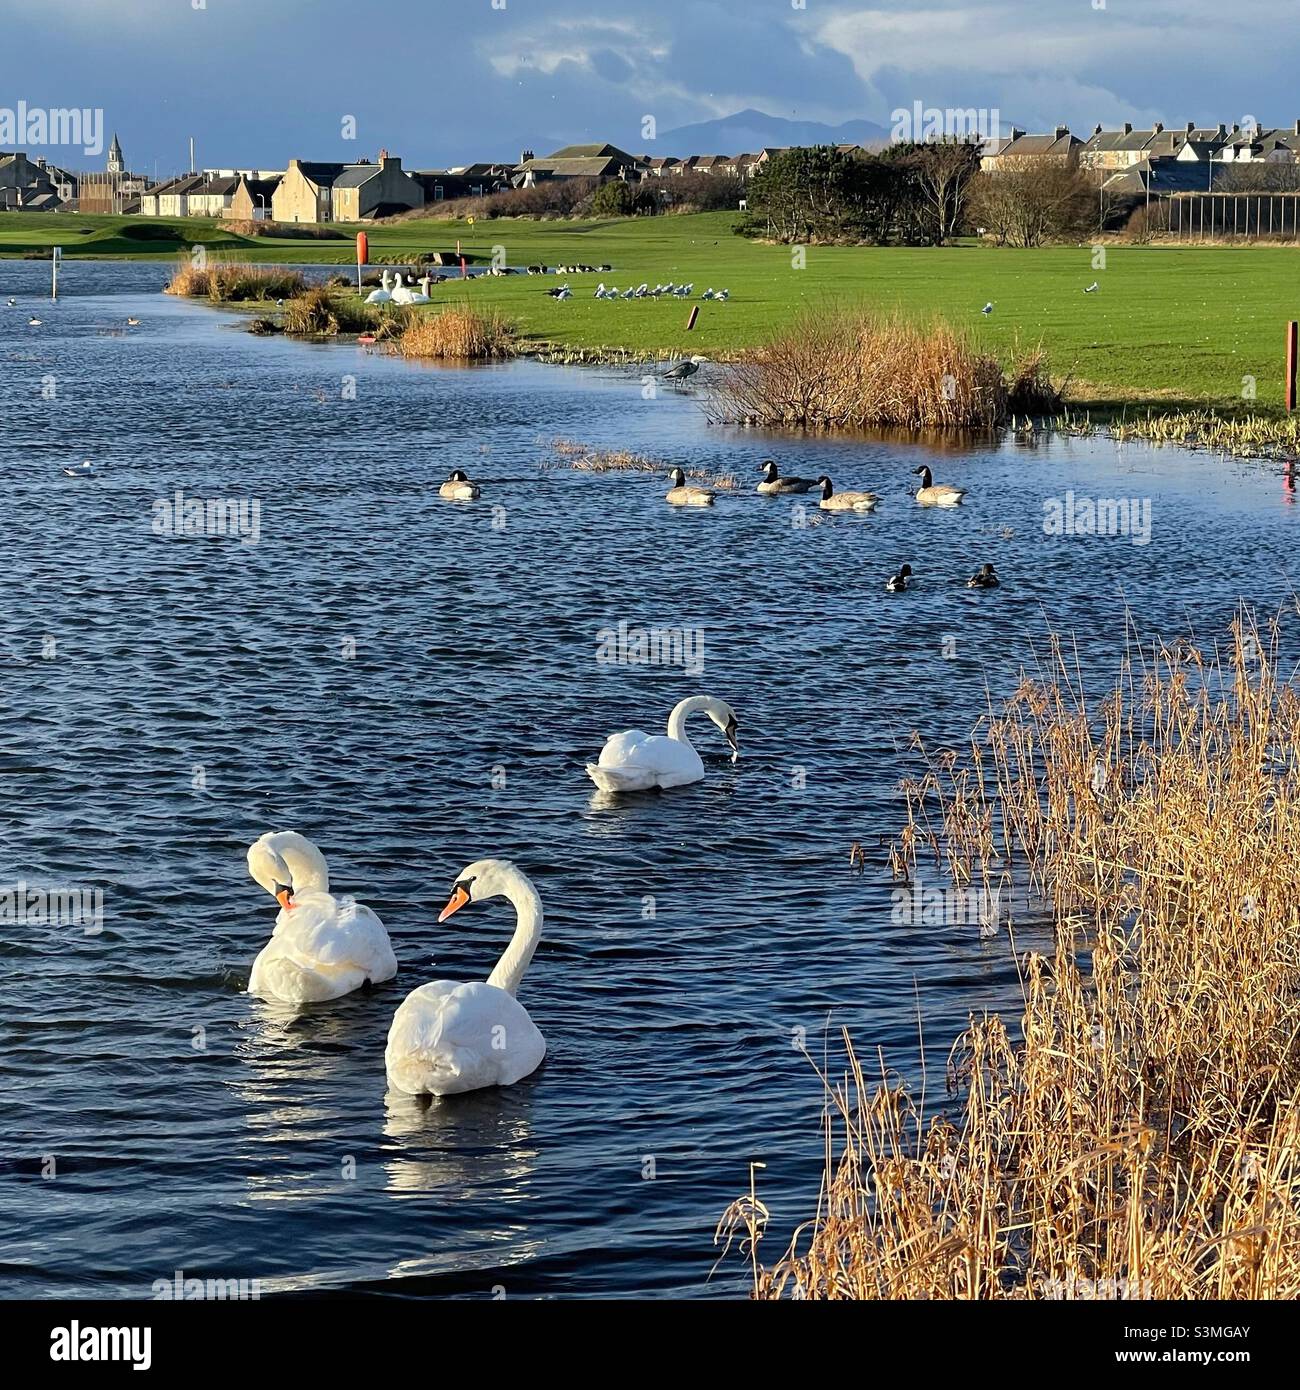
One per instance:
(1236, 129)
(1297, 127)
(1191, 126)
(1128, 127)
(1062, 131)
(1223, 129)
(526, 156)
(1016, 133)
(1157, 128)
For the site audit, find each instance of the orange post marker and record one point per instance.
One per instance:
(363, 254)
(695, 313)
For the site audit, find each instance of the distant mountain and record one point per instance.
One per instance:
(747, 132)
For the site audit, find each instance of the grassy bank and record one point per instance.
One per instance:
(1170, 327)
(1138, 1133)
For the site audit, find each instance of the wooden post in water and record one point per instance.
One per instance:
(56, 253)
(363, 255)
(1292, 346)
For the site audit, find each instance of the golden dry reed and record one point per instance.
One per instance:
(1138, 1135)
(457, 333)
(853, 369)
(228, 282)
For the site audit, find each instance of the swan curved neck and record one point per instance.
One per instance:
(681, 712)
(509, 970)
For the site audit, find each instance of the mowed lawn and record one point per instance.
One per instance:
(1169, 326)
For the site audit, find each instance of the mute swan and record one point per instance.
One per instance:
(634, 761)
(774, 483)
(679, 495)
(931, 495)
(322, 947)
(833, 501)
(458, 487)
(986, 578)
(898, 583)
(383, 295)
(447, 1037)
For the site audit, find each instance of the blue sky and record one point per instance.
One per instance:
(448, 81)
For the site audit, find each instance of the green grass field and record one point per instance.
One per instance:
(1170, 327)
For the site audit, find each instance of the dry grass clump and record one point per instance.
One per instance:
(458, 333)
(852, 369)
(231, 282)
(319, 313)
(1142, 1138)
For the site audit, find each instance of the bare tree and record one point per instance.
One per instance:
(1034, 200)
(945, 171)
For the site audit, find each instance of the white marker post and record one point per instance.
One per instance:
(54, 274)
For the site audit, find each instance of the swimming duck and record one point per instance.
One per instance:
(930, 495)
(679, 495)
(458, 487)
(897, 583)
(133, 323)
(774, 483)
(833, 501)
(85, 469)
(986, 578)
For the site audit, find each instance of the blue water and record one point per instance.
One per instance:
(199, 691)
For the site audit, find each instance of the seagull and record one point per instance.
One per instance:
(723, 295)
(1093, 288)
(600, 291)
(708, 294)
(562, 292)
(33, 322)
(81, 470)
(13, 303)
(684, 369)
(629, 293)
(133, 323)
(988, 308)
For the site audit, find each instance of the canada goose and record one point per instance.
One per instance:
(774, 483)
(833, 501)
(682, 496)
(897, 583)
(986, 579)
(928, 495)
(458, 487)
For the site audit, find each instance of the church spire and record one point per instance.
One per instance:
(115, 161)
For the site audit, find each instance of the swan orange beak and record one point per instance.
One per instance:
(285, 898)
(458, 900)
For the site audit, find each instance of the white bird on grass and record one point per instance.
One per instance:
(1093, 288)
(634, 761)
(988, 308)
(381, 295)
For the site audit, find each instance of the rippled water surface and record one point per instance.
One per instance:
(200, 691)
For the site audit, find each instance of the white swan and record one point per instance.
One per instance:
(322, 946)
(404, 294)
(634, 761)
(380, 296)
(448, 1037)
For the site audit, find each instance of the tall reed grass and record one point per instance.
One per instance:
(231, 282)
(1139, 1135)
(851, 369)
(457, 333)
